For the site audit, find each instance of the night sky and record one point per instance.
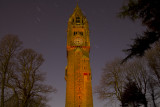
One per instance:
(42, 26)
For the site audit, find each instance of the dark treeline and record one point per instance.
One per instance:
(148, 12)
(135, 82)
(21, 81)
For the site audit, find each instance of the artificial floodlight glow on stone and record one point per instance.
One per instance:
(78, 71)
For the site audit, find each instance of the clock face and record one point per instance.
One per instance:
(78, 41)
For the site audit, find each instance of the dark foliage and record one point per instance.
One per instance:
(133, 95)
(22, 82)
(148, 11)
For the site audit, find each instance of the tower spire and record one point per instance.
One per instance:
(77, 9)
(77, 3)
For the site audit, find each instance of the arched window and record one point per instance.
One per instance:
(77, 19)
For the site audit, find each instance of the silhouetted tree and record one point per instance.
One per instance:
(153, 60)
(148, 11)
(9, 46)
(132, 95)
(28, 80)
(137, 71)
(153, 90)
(20, 78)
(112, 81)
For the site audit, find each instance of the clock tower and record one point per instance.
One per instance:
(78, 71)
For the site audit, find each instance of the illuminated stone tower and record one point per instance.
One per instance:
(78, 71)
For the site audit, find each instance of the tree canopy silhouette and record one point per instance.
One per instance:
(112, 81)
(22, 82)
(132, 95)
(9, 46)
(148, 11)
